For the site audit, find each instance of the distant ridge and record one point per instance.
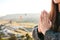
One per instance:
(22, 17)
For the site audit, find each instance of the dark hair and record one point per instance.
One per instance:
(54, 16)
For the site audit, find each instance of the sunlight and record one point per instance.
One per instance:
(23, 6)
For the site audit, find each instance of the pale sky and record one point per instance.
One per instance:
(23, 6)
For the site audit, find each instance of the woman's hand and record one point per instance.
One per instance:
(44, 22)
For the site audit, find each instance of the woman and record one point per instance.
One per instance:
(48, 28)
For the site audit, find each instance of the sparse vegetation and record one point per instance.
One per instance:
(25, 35)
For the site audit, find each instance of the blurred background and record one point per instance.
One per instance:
(18, 26)
(19, 17)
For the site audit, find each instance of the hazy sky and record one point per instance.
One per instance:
(23, 6)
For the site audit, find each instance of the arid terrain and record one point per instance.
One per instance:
(19, 26)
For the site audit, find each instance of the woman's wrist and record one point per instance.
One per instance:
(44, 31)
(39, 31)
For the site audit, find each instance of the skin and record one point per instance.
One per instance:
(57, 1)
(59, 7)
(44, 22)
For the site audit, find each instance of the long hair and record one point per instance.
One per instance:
(54, 16)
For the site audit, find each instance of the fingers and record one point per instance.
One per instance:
(44, 16)
(44, 22)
